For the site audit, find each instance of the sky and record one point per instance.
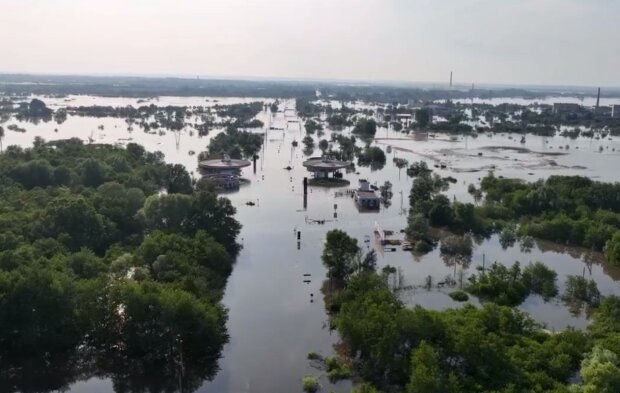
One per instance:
(552, 42)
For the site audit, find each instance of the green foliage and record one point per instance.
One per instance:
(98, 268)
(425, 373)
(236, 144)
(365, 128)
(423, 117)
(456, 250)
(339, 255)
(600, 372)
(314, 356)
(612, 249)
(564, 209)
(459, 296)
(364, 388)
(488, 349)
(581, 290)
(337, 368)
(510, 286)
(540, 280)
(372, 156)
(310, 384)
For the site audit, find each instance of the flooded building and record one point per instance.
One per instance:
(365, 197)
(602, 111)
(326, 167)
(563, 109)
(224, 173)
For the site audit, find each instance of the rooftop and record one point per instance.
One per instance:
(325, 163)
(224, 163)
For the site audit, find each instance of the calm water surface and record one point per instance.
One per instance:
(275, 318)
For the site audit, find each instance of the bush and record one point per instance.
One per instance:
(314, 356)
(310, 383)
(459, 296)
(336, 368)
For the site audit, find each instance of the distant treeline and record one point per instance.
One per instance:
(149, 86)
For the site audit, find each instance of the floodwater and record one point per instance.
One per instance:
(585, 101)
(275, 318)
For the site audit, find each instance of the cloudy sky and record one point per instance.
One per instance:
(574, 42)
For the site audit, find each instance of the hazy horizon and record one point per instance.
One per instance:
(529, 42)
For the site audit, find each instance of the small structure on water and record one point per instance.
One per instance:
(224, 173)
(326, 170)
(365, 197)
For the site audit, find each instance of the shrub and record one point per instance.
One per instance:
(337, 368)
(310, 383)
(314, 356)
(459, 296)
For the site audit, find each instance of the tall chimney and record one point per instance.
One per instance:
(450, 79)
(598, 97)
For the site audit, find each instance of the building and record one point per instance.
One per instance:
(365, 198)
(602, 111)
(616, 111)
(404, 118)
(563, 109)
(224, 173)
(323, 167)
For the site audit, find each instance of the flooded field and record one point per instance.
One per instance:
(275, 318)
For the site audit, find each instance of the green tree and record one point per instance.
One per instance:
(365, 128)
(339, 255)
(422, 117)
(76, 221)
(456, 250)
(179, 180)
(425, 371)
(612, 249)
(600, 372)
(93, 173)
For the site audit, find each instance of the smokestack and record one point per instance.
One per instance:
(598, 97)
(450, 79)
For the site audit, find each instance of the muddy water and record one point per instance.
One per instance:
(275, 318)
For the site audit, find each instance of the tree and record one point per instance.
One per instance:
(308, 141)
(422, 117)
(75, 220)
(179, 180)
(323, 145)
(1, 137)
(612, 249)
(93, 173)
(372, 156)
(365, 128)
(35, 173)
(365, 262)
(339, 255)
(425, 371)
(168, 212)
(456, 250)
(600, 372)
